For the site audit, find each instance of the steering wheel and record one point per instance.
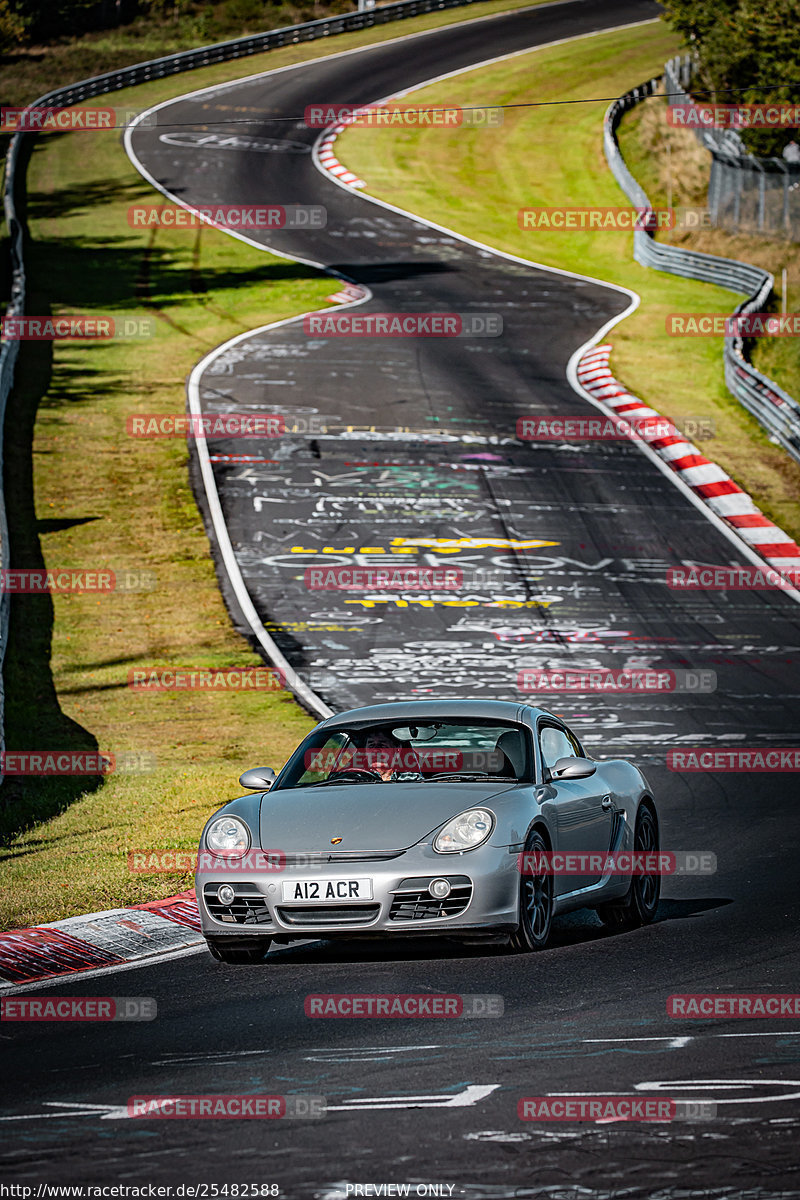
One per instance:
(359, 774)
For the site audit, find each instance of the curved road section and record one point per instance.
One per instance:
(583, 536)
(551, 555)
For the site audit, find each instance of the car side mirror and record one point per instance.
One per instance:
(573, 768)
(258, 779)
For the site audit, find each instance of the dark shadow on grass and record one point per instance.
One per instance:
(107, 277)
(59, 524)
(114, 278)
(33, 717)
(95, 689)
(69, 201)
(115, 274)
(96, 275)
(32, 845)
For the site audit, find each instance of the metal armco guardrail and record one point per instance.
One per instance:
(112, 81)
(774, 408)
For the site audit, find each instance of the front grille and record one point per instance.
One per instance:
(316, 858)
(248, 906)
(413, 902)
(329, 914)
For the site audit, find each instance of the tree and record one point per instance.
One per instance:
(12, 27)
(746, 52)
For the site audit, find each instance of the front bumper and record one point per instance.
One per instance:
(484, 896)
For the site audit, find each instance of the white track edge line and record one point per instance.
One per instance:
(699, 503)
(224, 542)
(295, 683)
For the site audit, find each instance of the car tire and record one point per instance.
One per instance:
(639, 905)
(231, 950)
(535, 904)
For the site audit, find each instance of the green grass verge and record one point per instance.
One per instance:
(81, 493)
(96, 497)
(30, 73)
(475, 181)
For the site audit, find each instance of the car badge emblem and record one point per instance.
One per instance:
(335, 841)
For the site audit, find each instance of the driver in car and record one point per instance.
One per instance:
(383, 754)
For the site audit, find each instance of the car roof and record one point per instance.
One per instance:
(420, 710)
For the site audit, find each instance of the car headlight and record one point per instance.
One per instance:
(228, 836)
(466, 831)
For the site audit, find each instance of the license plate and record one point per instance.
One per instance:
(327, 891)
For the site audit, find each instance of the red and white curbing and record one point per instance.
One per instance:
(704, 477)
(330, 162)
(104, 939)
(124, 935)
(349, 294)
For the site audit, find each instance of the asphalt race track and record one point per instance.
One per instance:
(441, 471)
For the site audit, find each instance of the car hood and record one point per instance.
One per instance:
(366, 816)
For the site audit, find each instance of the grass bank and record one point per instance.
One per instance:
(83, 494)
(32, 71)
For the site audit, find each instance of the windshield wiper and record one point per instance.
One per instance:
(325, 782)
(472, 775)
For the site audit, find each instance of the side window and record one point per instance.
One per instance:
(318, 764)
(554, 744)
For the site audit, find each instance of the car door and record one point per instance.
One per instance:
(582, 811)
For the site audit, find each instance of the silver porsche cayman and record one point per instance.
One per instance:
(477, 820)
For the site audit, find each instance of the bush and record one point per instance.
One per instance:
(746, 51)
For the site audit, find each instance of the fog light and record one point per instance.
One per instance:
(439, 888)
(226, 895)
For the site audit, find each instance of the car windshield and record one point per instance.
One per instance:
(438, 751)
